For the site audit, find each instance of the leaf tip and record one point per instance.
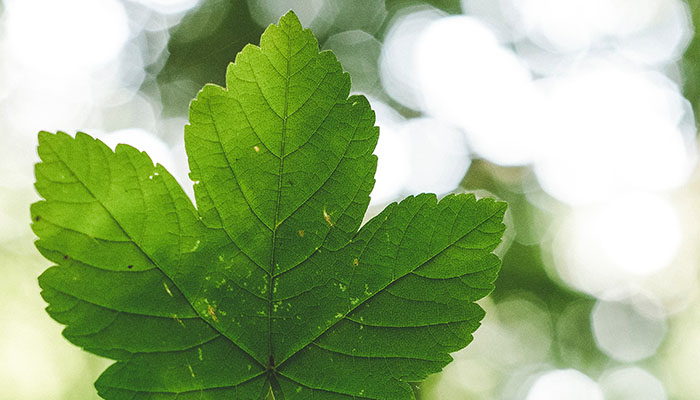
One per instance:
(290, 19)
(44, 135)
(500, 205)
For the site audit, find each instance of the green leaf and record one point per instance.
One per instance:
(269, 288)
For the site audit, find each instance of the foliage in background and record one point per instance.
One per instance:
(212, 34)
(199, 46)
(524, 273)
(691, 62)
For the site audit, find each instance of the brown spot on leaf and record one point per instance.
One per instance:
(301, 233)
(130, 266)
(65, 257)
(37, 218)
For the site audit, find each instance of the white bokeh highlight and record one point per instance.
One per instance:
(169, 6)
(438, 156)
(628, 331)
(568, 384)
(397, 66)
(417, 155)
(628, 383)
(617, 244)
(392, 149)
(663, 37)
(470, 80)
(569, 26)
(67, 35)
(611, 129)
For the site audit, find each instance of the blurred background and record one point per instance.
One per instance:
(580, 113)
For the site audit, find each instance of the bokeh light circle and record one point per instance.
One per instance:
(438, 156)
(60, 36)
(470, 80)
(568, 384)
(632, 383)
(397, 66)
(618, 243)
(627, 332)
(611, 129)
(392, 154)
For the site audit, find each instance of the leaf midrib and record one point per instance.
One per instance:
(270, 291)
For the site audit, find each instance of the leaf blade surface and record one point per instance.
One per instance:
(269, 284)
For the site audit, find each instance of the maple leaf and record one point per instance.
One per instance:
(269, 285)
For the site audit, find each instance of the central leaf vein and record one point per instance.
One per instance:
(273, 260)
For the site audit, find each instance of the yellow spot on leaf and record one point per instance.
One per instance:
(211, 311)
(356, 262)
(327, 217)
(167, 289)
(301, 233)
(190, 368)
(256, 148)
(178, 320)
